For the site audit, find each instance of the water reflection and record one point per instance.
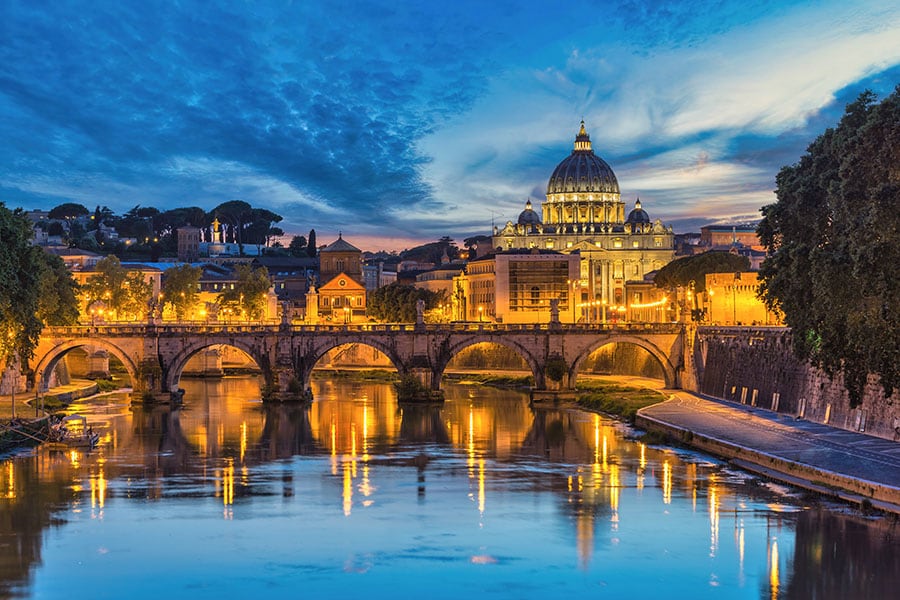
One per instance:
(480, 480)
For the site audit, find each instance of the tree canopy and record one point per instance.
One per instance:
(180, 288)
(68, 210)
(681, 272)
(21, 266)
(248, 298)
(833, 238)
(121, 293)
(396, 303)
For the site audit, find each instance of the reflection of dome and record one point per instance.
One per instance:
(529, 216)
(638, 215)
(583, 171)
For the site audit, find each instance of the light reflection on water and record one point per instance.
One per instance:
(356, 496)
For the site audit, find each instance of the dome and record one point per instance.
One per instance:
(529, 216)
(583, 171)
(638, 215)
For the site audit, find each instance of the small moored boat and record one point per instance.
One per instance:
(73, 431)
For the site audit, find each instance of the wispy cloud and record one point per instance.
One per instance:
(416, 120)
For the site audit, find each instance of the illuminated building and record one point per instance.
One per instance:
(731, 300)
(517, 286)
(342, 293)
(584, 212)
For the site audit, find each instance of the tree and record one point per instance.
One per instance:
(58, 292)
(682, 271)
(248, 298)
(234, 215)
(396, 303)
(119, 292)
(298, 246)
(311, 244)
(68, 210)
(21, 267)
(833, 238)
(180, 288)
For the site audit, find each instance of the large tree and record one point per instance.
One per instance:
(68, 210)
(21, 266)
(396, 303)
(688, 270)
(120, 292)
(180, 288)
(58, 292)
(833, 238)
(248, 298)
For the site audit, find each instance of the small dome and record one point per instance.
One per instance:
(529, 216)
(638, 215)
(583, 171)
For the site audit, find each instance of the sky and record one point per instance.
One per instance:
(398, 122)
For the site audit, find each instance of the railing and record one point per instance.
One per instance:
(145, 329)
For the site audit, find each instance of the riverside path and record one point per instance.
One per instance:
(849, 465)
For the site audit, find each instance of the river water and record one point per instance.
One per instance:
(357, 497)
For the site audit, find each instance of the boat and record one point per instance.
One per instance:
(73, 431)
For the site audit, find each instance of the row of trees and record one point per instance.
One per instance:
(124, 294)
(241, 224)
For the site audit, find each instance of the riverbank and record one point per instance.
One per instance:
(58, 397)
(854, 467)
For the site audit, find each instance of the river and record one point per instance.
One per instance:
(357, 497)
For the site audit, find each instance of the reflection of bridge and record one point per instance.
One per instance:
(155, 355)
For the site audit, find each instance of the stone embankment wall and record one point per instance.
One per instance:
(757, 367)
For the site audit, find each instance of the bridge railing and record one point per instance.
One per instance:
(144, 329)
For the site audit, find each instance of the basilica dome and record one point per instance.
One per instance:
(583, 171)
(638, 216)
(529, 216)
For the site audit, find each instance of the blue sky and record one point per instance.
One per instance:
(398, 122)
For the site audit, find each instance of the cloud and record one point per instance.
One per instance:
(420, 119)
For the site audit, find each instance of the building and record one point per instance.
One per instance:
(188, 244)
(584, 213)
(341, 295)
(340, 257)
(518, 286)
(731, 299)
(726, 236)
(375, 276)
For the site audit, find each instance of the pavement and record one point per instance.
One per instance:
(850, 465)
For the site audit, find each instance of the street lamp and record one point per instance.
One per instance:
(480, 314)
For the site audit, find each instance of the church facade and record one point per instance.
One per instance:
(584, 213)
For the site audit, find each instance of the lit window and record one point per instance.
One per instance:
(617, 243)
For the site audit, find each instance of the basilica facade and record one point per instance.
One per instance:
(584, 213)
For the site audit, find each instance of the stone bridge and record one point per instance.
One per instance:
(156, 355)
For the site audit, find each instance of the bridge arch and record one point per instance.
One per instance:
(657, 353)
(48, 361)
(453, 349)
(173, 370)
(308, 361)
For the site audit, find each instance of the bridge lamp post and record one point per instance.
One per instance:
(480, 314)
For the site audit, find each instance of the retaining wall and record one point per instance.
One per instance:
(757, 367)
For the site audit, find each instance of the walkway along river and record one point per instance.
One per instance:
(356, 496)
